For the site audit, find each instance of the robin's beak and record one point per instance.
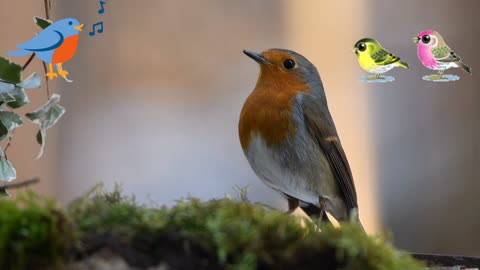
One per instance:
(79, 27)
(415, 39)
(256, 56)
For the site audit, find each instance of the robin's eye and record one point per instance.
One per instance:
(289, 64)
(70, 23)
(426, 39)
(362, 47)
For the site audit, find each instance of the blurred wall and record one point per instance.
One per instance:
(427, 133)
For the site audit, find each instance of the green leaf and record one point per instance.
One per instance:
(42, 23)
(10, 71)
(6, 86)
(8, 121)
(46, 117)
(20, 98)
(7, 171)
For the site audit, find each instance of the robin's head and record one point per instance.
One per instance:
(285, 67)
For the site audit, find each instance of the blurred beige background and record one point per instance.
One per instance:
(155, 102)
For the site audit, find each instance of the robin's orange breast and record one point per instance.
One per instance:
(65, 51)
(268, 111)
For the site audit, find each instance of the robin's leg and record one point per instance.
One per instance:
(292, 205)
(323, 205)
(61, 71)
(51, 74)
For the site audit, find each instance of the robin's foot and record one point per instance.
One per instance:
(63, 73)
(51, 75)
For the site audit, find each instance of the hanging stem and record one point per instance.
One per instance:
(28, 61)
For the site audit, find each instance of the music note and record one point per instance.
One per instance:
(99, 30)
(102, 9)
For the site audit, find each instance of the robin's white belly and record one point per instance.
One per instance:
(267, 164)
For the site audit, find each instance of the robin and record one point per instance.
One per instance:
(289, 138)
(55, 44)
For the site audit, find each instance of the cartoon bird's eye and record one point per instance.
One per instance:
(425, 39)
(362, 47)
(289, 64)
(70, 23)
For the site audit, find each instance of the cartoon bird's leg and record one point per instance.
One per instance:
(51, 74)
(323, 206)
(61, 71)
(440, 73)
(292, 205)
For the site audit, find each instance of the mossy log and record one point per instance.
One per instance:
(107, 230)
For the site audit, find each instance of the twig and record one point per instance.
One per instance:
(10, 138)
(46, 80)
(48, 8)
(28, 61)
(20, 184)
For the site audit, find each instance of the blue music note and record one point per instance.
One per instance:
(99, 30)
(102, 9)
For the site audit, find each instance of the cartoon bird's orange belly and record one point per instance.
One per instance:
(65, 51)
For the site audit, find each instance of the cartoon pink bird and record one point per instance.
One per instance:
(435, 54)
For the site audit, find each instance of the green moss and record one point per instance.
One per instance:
(245, 236)
(33, 233)
(218, 234)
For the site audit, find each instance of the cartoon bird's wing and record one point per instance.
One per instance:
(383, 57)
(445, 54)
(45, 41)
(321, 127)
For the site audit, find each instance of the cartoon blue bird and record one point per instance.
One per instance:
(56, 44)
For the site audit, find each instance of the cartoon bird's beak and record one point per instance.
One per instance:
(79, 27)
(354, 50)
(415, 40)
(256, 56)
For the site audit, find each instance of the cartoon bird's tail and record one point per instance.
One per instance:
(18, 53)
(464, 67)
(402, 64)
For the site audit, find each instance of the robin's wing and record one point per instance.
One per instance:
(383, 57)
(321, 127)
(445, 54)
(46, 40)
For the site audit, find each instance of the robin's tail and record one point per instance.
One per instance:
(464, 67)
(18, 53)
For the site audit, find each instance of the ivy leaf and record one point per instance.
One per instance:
(17, 97)
(46, 117)
(6, 86)
(33, 81)
(20, 97)
(8, 122)
(42, 23)
(7, 171)
(10, 72)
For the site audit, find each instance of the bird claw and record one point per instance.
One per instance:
(51, 75)
(63, 73)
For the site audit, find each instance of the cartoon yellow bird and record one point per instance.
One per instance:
(375, 59)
